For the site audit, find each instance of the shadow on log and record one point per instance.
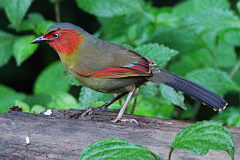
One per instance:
(65, 134)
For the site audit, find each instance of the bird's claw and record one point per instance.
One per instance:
(91, 110)
(125, 120)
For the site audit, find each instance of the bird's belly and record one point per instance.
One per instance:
(110, 85)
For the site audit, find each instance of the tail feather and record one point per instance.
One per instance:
(190, 88)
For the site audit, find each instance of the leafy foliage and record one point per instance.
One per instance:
(170, 94)
(6, 40)
(88, 97)
(216, 80)
(230, 117)
(154, 51)
(114, 148)
(184, 38)
(56, 81)
(198, 39)
(16, 10)
(202, 136)
(110, 8)
(21, 48)
(197, 138)
(8, 97)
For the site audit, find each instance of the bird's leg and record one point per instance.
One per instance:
(135, 101)
(103, 107)
(120, 114)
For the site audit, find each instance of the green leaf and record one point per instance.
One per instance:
(88, 97)
(232, 37)
(23, 105)
(37, 109)
(154, 106)
(214, 79)
(35, 22)
(115, 148)
(6, 49)
(179, 39)
(238, 7)
(8, 97)
(158, 53)
(71, 80)
(103, 8)
(230, 116)
(192, 61)
(167, 19)
(51, 79)
(195, 6)
(1, 4)
(226, 55)
(22, 49)
(212, 20)
(149, 90)
(38, 99)
(198, 138)
(172, 95)
(16, 10)
(63, 100)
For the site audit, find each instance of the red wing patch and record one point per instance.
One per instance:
(136, 69)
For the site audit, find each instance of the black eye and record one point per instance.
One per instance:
(56, 35)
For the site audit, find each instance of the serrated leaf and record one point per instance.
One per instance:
(103, 8)
(115, 148)
(6, 49)
(8, 97)
(214, 79)
(126, 26)
(158, 53)
(195, 6)
(172, 95)
(88, 96)
(198, 138)
(63, 100)
(51, 79)
(22, 49)
(230, 116)
(16, 10)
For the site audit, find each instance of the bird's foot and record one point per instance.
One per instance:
(125, 120)
(91, 110)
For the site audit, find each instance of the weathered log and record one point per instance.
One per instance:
(65, 134)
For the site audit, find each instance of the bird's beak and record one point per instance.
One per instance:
(40, 39)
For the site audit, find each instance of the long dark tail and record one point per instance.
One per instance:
(190, 88)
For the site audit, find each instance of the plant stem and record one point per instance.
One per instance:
(235, 68)
(57, 11)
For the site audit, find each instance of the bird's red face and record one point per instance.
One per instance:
(63, 41)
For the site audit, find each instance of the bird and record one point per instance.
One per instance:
(111, 68)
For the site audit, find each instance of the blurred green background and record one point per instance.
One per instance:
(197, 39)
